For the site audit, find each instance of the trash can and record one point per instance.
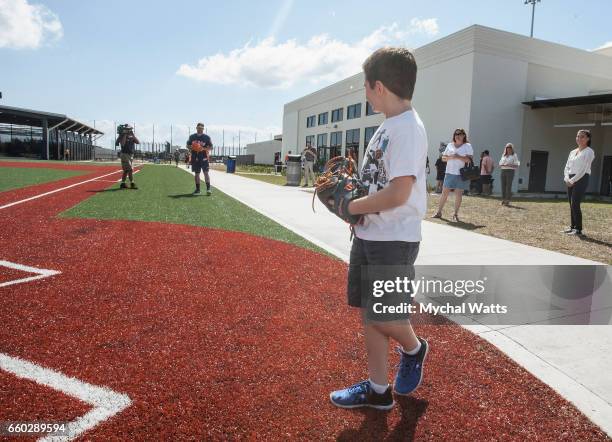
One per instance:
(294, 170)
(230, 164)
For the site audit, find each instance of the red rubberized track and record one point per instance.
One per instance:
(8, 274)
(32, 402)
(217, 334)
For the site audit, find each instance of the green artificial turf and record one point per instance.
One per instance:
(165, 195)
(17, 177)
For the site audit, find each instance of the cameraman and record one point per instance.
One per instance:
(127, 140)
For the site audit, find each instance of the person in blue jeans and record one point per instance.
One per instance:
(386, 242)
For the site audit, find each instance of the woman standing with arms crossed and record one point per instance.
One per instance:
(509, 163)
(457, 153)
(576, 177)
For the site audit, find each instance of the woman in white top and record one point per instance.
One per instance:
(457, 153)
(509, 163)
(576, 177)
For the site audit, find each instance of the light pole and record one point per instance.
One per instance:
(533, 3)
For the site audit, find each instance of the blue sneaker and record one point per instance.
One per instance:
(362, 395)
(410, 370)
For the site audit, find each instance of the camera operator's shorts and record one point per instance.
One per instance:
(126, 162)
(372, 263)
(199, 166)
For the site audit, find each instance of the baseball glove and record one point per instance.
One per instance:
(197, 146)
(337, 186)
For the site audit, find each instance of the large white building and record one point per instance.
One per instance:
(266, 151)
(501, 87)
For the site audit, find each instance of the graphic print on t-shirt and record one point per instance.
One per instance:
(198, 143)
(373, 172)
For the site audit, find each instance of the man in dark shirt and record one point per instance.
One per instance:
(440, 171)
(200, 145)
(127, 140)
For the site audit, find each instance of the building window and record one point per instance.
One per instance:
(310, 140)
(352, 143)
(322, 150)
(323, 118)
(322, 140)
(369, 109)
(369, 133)
(335, 139)
(311, 121)
(337, 115)
(335, 144)
(18, 140)
(352, 137)
(353, 111)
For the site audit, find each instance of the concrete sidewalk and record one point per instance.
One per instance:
(572, 359)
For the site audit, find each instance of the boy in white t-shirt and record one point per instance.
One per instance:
(386, 244)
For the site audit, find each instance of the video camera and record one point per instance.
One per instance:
(124, 129)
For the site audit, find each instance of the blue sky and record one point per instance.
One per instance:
(232, 64)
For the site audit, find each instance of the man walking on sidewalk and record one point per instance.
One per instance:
(310, 155)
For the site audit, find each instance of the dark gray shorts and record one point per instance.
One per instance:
(372, 261)
(199, 166)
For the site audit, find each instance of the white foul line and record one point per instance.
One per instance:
(56, 190)
(40, 273)
(116, 181)
(105, 401)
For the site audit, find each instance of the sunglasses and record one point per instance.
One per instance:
(459, 133)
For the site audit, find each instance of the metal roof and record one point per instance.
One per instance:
(29, 117)
(570, 101)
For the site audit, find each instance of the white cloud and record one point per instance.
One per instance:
(428, 26)
(272, 64)
(604, 46)
(27, 26)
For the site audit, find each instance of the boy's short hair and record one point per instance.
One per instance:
(200, 125)
(396, 68)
